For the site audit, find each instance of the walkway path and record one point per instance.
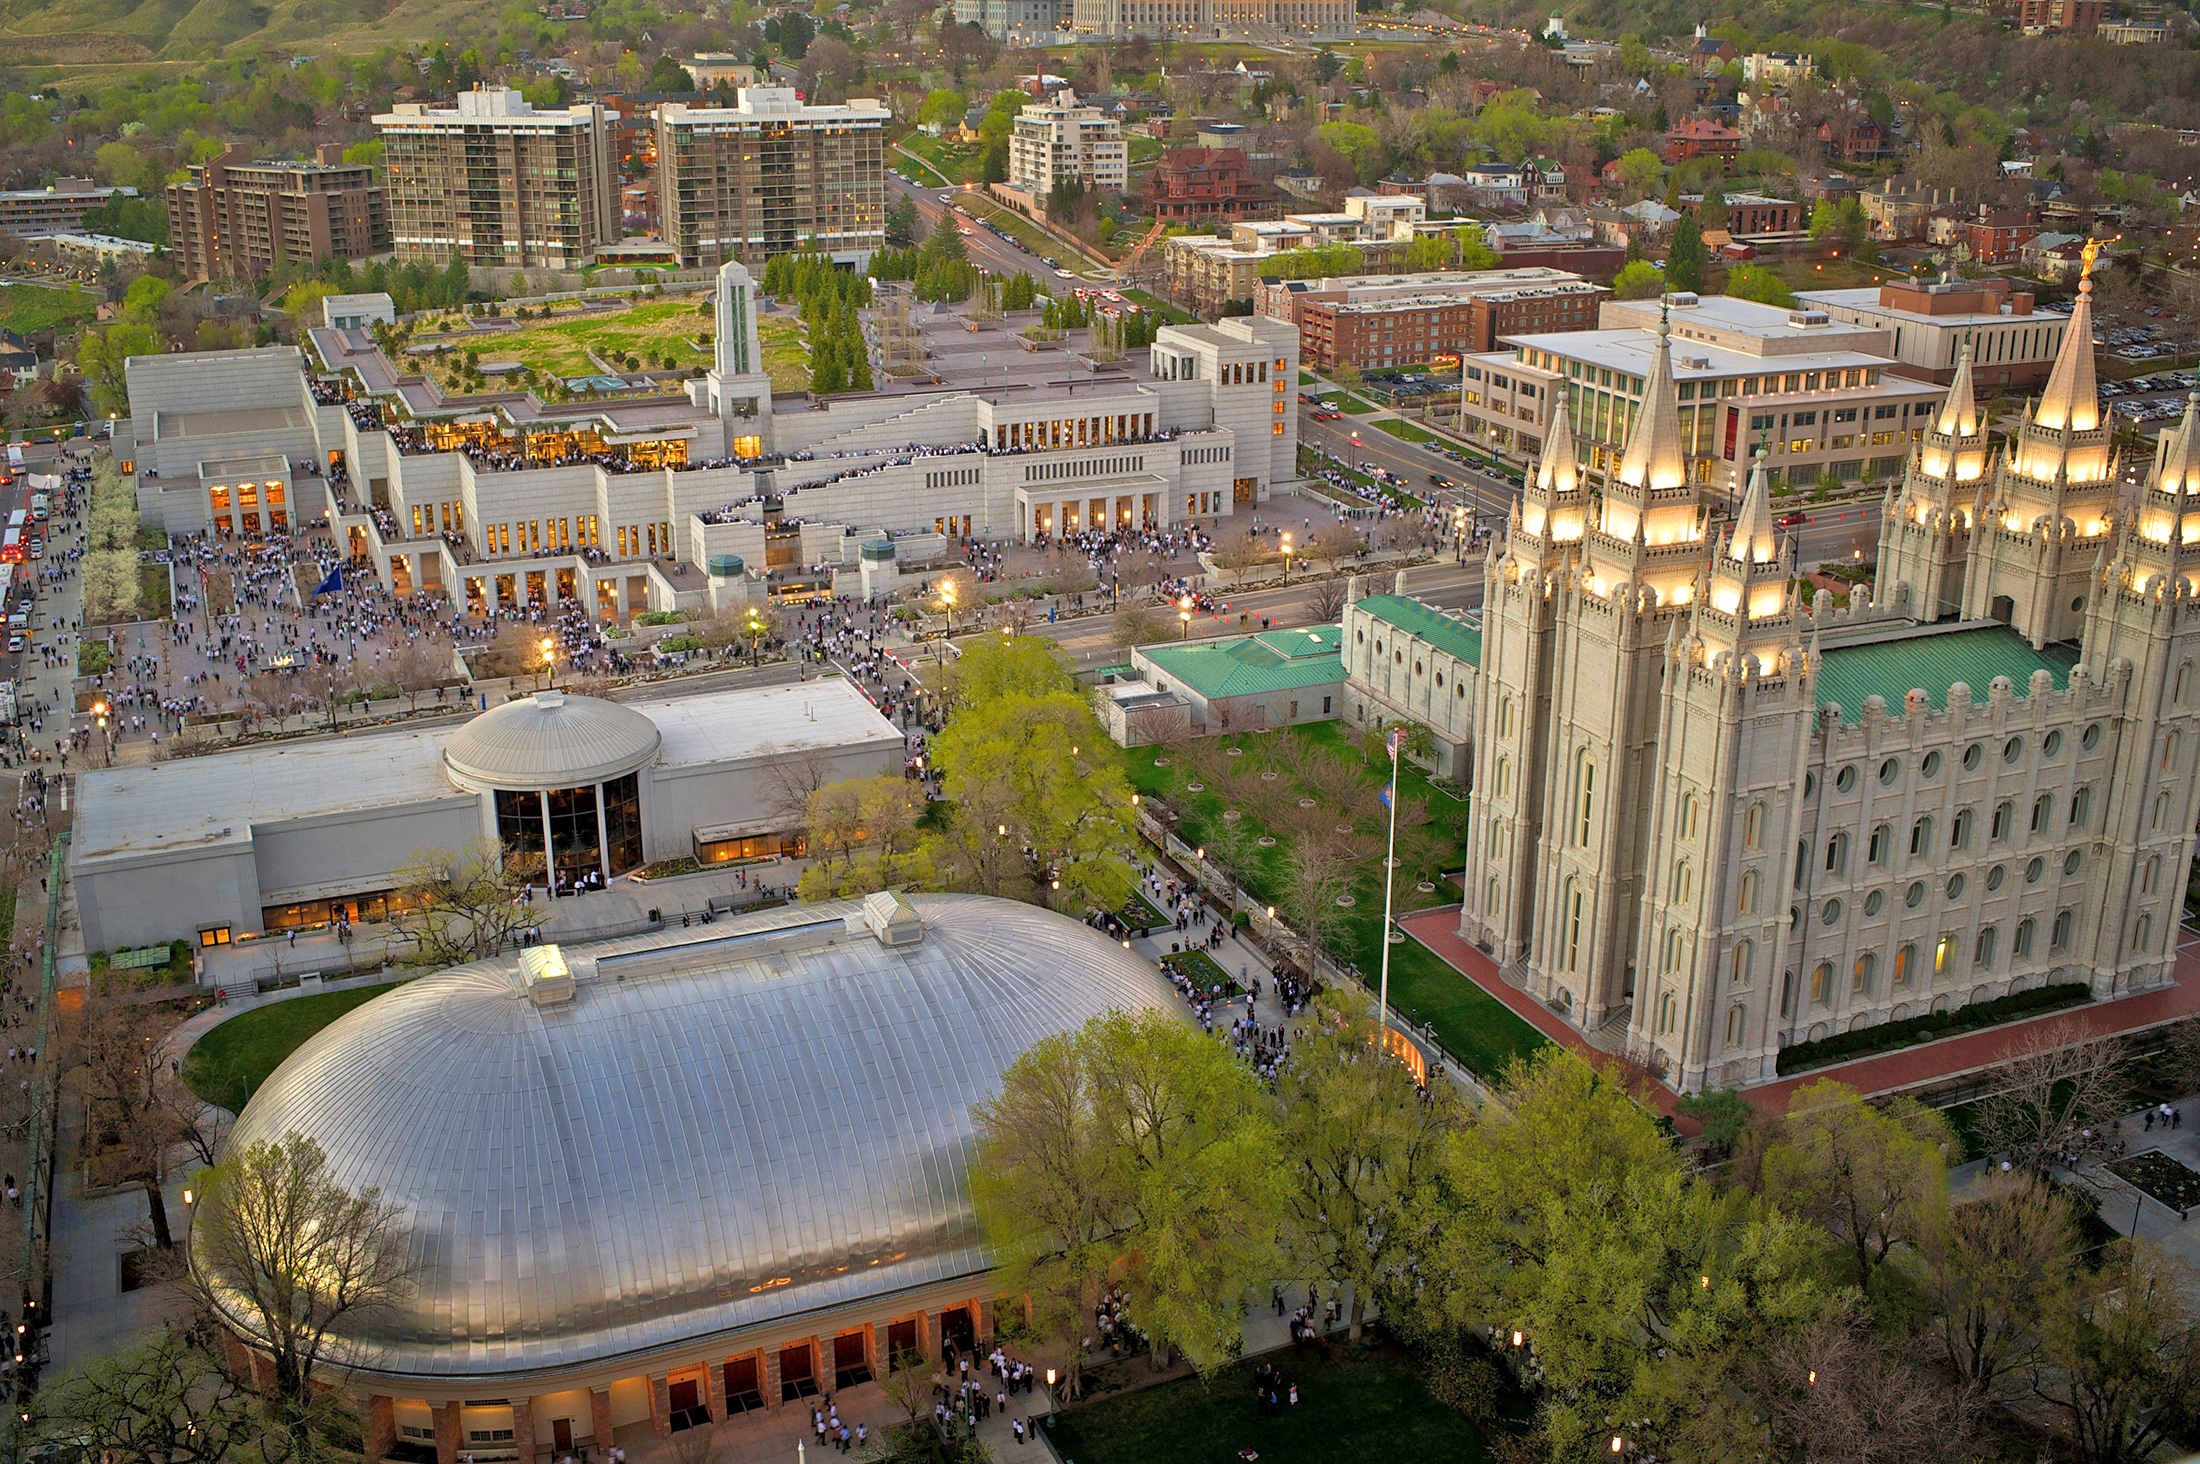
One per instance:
(1890, 1072)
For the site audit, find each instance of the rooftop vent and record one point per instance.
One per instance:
(892, 919)
(1808, 319)
(549, 980)
(1682, 300)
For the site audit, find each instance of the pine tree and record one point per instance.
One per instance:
(1684, 262)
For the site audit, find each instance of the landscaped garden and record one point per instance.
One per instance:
(25, 308)
(650, 333)
(1355, 1404)
(1296, 818)
(232, 1062)
(2168, 1180)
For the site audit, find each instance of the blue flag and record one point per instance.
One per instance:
(1384, 796)
(333, 585)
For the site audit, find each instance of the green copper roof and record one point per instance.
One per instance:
(1275, 660)
(1448, 633)
(1932, 663)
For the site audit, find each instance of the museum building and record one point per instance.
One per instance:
(654, 1182)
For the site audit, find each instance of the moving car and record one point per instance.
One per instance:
(1793, 518)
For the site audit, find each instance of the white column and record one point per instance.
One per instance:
(549, 850)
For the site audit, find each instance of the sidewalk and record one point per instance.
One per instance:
(1919, 1066)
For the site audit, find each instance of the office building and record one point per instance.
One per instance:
(771, 175)
(1403, 320)
(1928, 321)
(58, 208)
(1822, 397)
(498, 183)
(236, 219)
(1026, 21)
(1717, 821)
(1065, 140)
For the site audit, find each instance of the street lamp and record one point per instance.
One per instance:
(947, 598)
(1184, 614)
(1050, 1397)
(1287, 556)
(549, 661)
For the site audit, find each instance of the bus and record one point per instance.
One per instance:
(20, 521)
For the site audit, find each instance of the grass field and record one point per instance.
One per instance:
(1159, 306)
(786, 352)
(1351, 405)
(1353, 1407)
(35, 307)
(1406, 430)
(233, 1061)
(957, 162)
(559, 346)
(1476, 1027)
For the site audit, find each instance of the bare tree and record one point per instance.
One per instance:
(1156, 727)
(459, 905)
(1136, 625)
(416, 668)
(297, 1263)
(1317, 872)
(1325, 600)
(1836, 1396)
(135, 1114)
(2060, 1096)
(793, 781)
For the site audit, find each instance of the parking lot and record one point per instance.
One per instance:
(2158, 398)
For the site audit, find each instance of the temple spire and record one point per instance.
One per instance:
(1556, 471)
(1958, 414)
(2072, 400)
(1756, 539)
(1654, 458)
(2177, 453)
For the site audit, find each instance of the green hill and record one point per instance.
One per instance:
(106, 32)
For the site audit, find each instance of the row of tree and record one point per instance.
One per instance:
(1817, 1297)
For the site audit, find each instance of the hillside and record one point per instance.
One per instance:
(97, 32)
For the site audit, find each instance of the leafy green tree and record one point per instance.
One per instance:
(1711, 213)
(1135, 1147)
(1638, 281)
(1875, 1176)
(1639, 170)
(1358, 1144)
(1358, 144)
(1986, 1270)
(1849, 225)
(942, 108)
(1754, 282)
(668, 75)
(2120, 1357)
(1821, 222)
(796, 31)
(1684, 261)
(163, 1401)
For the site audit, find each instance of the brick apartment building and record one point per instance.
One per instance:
(1998, 236)
(1755, 213)
(58, 208)
(1414, 319)
(2071, 17)
(1200, 183)
(233, 218)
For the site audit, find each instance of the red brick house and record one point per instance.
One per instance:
(1998, 236)
(1197, 183)
(1701, 137)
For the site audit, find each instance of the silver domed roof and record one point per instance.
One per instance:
(724, 1127)
(550, 740)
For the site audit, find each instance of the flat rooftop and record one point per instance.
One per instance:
(218, 797)
(1867, 298)
(1632, 350)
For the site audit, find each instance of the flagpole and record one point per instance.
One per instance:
(1390, 870)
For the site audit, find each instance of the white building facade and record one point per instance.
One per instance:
(1066, 140)
(1716, 821)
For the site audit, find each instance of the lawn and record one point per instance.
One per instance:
(1405, 430)
(1169, 313)
(786, 352)
(1042, 245)
(956, 162)
(1144, 150)
(1351, 405)
(559, 346)
(1356, 1406)
(1321, 760)
(233, 1061)
(1831, 274)
(35, 307)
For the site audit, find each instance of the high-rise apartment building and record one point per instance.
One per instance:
(1065, 139)
(234, 218)
(498, 183)
(772, 175)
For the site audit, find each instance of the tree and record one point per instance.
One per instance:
(1134, 1146)
(1987, 1269)
(1821, 222)
(1638, 281)
(138, 1107)
(1753, 282)
(1318, 870)
(163, 1401)
(2060, 1096)
(942, 108)
(296, 1262)
(2120, 1356)
(1359, 1143)
(1325, 599)
(1711, 213)
(901, 223)
(1836, 1395)
(867, 826)
(1358, 143)
(462, 904)
(1639, 170)
(1684, 261)
(1876, 1177)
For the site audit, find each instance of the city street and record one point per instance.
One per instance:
(987, 250)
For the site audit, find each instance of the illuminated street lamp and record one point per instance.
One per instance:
(947, 598)
(1050, 1397)
(1287, 556)
(1184, 614)
(550, 661)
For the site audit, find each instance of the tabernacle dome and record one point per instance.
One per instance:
(689, 1172)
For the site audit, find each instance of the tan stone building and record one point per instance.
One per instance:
(233, 218)
(771, 175)
(1715, 821)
